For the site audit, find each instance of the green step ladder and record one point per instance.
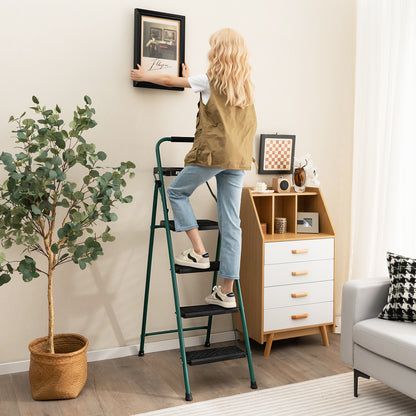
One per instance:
(206, 355)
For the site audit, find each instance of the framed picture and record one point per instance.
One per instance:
(308, 222)
(277, 152)
(159, 44)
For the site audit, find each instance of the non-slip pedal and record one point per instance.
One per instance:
(215, 266)
(212, 355)
(202, 225)
(205, 310)
(168, 171)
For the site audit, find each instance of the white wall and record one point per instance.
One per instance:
(303, 69)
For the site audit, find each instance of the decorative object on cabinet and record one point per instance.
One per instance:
(260, 187)
(308, 222)
(299, 179)
(277, 153)
(280, 225)
(287, 279)
(310, 169)
(281, 184)
(159, 44)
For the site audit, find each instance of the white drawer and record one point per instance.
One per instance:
(298, 250)
(300, 272)
(281, 318)
(299, 294)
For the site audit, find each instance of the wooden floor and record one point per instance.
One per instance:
(131, 385)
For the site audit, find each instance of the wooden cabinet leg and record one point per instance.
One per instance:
(324, 335)
(269, 342)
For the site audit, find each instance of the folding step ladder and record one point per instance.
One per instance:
(207, 355)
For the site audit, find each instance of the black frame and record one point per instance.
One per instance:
(138, 43)
(263, 138)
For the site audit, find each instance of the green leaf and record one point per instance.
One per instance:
(54, 248)
(102, 156)
(2, 258)
(4, 278)
(87, 100)
(78, 195)
(57, 109)
(35, 100)
(7, 243)
(35, 209)
(11, 119)
(127, 199)
(6, 158)
(27, 267)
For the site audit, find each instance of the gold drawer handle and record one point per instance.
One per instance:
(305, 315)
(302, 273)
(300, 251)
(299, 295)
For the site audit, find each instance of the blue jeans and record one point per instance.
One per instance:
(229, 185)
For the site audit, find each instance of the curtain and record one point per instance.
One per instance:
(383, 211)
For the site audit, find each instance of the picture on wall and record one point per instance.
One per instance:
(159, 44)
(277, 153)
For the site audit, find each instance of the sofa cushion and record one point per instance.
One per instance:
(401, 300)
(391, 339)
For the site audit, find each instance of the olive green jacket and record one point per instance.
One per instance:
(224, 134)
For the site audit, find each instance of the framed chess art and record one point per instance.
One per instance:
(277, 152)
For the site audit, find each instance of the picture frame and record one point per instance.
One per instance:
(277, 153)
(159, 45)
(308, 222)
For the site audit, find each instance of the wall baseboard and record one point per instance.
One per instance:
(119, 352)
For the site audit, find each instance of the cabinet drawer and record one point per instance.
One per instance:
(298, 250)
(299, 272)
(299, 294)
(281, 318)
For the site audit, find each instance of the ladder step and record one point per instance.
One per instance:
(215, 266)
(205, 310)
(212, 355)
(166, 171)
(202, 225)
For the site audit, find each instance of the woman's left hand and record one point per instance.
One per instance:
(138, 74)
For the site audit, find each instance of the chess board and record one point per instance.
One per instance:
(277, 154)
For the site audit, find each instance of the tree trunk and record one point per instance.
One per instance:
(51, 312)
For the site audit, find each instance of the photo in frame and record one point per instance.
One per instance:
(159, 45)
(308, 222)
(277, 152)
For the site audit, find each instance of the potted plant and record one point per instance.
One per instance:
(55, 218)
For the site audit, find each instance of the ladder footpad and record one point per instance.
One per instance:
(205, 310)
(213, 355)
(215, 266)
(202, 225)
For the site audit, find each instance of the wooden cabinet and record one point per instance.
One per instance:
(287, 280)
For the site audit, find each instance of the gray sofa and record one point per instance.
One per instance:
(379, 348)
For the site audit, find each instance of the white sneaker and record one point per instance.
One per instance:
(221, 299)
(191, 259)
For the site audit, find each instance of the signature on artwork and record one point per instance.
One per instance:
(157, 65)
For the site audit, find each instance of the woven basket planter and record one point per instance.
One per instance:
(61, 375)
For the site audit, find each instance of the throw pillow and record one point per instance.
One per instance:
(401, 301)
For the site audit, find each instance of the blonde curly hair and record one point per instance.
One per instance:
(229, 69)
